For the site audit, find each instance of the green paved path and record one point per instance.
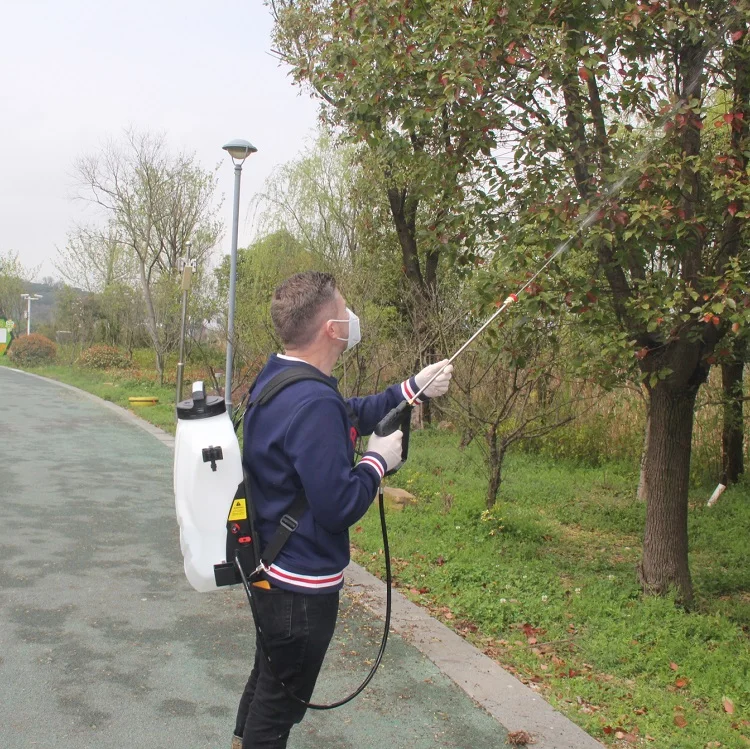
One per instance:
(104, 644)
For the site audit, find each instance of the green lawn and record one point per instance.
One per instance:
(546, 583)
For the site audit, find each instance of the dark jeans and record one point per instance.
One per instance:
(297, 629)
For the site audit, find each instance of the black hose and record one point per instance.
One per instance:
(368, 678)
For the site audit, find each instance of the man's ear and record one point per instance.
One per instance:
(329, 329)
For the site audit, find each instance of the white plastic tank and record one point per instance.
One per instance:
(207, 471)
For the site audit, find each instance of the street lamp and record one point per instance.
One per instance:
(239, 150)
(188, 267)
(29, 299)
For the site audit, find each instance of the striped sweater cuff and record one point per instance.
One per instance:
(409, 388)
(374, 461)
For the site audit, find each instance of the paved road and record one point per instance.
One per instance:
(104, 644)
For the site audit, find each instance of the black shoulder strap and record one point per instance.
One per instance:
(294, 374)
(287, 525)
(283, 379)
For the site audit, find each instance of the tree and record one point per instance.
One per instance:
(14, 277)
(536, 121)
(665, 251)
(80, 314)
(381, 82)
(154, 202)
(733, 432)
(513, 390)
(95, 258)
(314, 198)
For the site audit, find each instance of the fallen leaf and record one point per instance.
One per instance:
(680, 683)
(520, 738)
(728, 705)
(680, 721)
(628, 737)
(673, 666)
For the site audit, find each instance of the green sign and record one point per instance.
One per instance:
(6, 334)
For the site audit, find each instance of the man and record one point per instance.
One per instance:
(303, 440)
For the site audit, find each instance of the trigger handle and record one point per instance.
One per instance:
(397, 418)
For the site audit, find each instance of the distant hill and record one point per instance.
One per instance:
(43, 310)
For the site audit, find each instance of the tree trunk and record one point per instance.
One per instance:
(160, 367)
(642, 494)
(733, 428)
(667, 469)
(153, 327)
(495, 466)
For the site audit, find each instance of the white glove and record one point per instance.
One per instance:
(388, 448)
(439, 386)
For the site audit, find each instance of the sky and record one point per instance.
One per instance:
(76, 73)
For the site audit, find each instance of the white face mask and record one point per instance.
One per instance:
(355, 334)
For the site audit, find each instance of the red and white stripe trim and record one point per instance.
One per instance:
(408, 391)
(369, 459)
(305, 581)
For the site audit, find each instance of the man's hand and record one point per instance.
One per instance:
(439, 386)
(388, 448)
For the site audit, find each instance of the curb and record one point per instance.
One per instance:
(514, 705)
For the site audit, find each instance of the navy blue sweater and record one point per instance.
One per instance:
(302, 439)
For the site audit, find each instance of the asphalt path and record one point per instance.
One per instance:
(104, 644)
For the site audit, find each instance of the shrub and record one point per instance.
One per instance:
(103, 357)
(30, 350)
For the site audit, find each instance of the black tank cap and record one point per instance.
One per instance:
(200, 408)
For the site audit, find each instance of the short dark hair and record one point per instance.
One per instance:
(297, 303)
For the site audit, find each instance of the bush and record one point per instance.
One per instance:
(103, 357)
(30, 350)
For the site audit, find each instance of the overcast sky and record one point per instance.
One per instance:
(76, 72)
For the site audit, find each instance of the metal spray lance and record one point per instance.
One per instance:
(400, 416)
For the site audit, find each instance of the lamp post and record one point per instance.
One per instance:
(29, 299)
(239, 150)
(188, 268)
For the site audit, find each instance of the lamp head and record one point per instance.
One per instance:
(239, 149)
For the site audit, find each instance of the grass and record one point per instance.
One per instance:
(546, 585)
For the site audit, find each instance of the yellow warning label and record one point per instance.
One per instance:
(238, 511)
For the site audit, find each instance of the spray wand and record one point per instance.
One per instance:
(400, 416)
